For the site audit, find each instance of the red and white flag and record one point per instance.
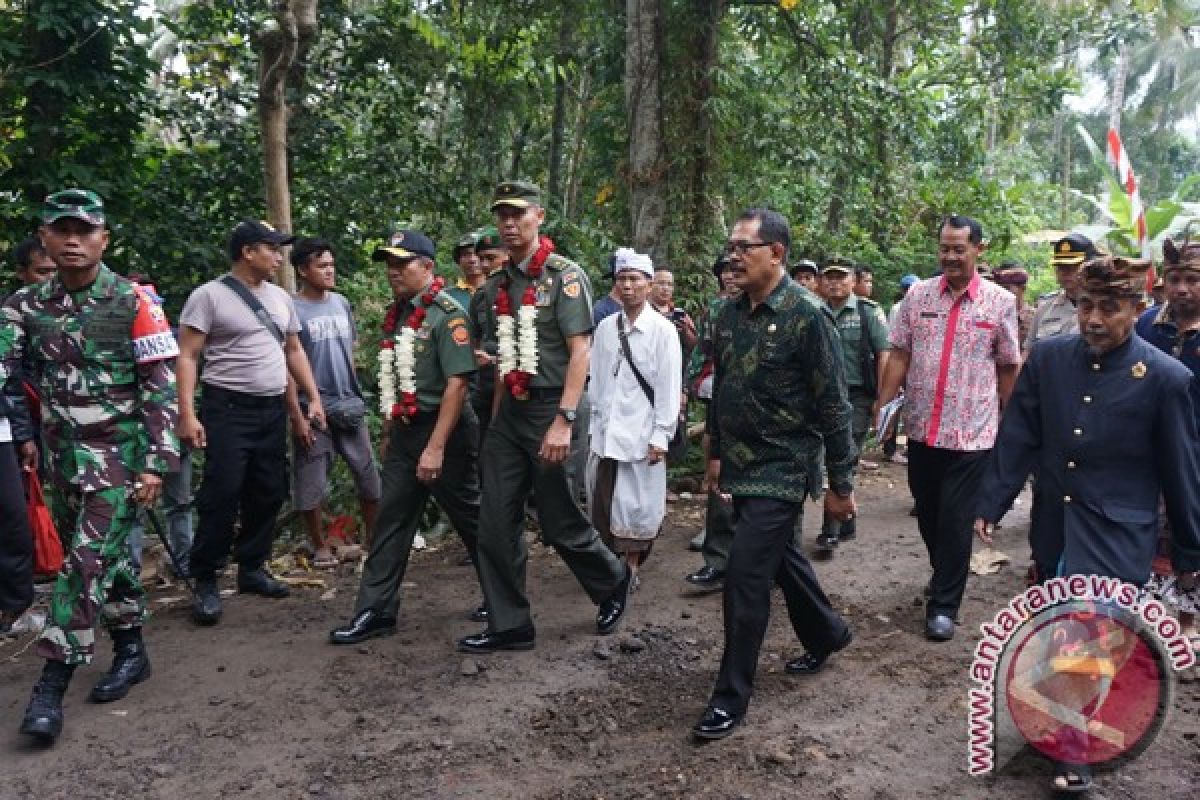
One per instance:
(1119, 160)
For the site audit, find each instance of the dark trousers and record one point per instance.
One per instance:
(456, 491)
(16, 542)
(718, 532)
(245, 475)
(763, 555)
(511, 469)
(944, 484)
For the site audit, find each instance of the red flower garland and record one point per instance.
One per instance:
(407, 407)
(517, 381)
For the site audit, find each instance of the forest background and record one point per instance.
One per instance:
(648, 122)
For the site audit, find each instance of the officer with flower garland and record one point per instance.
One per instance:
(430, 433)
(540, 316)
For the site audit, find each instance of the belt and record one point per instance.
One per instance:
(241, 399)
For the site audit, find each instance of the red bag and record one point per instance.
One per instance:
(47, 546)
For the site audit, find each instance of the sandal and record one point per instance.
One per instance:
(324, 559)
(1071, 778)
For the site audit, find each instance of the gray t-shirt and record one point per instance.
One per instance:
(327, 333)
(240, 354)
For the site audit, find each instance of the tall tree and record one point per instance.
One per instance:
(643, 109)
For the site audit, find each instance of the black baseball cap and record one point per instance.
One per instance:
(250, 232)
(405, 244)
(1072, 250)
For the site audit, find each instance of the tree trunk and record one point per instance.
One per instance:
(574, 164)
(1116, 100)
(699, 209)
(643, 109)
(283, 48)
(558, 127)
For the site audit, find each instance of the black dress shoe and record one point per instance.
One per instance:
(480, 613)
(826, 544)
(717, 723)
(939, 628)
(707, 579)
(608, 616)
(366, 624)
(206, 603)
(130, 666)
(812, 663)
(489, 642)
(259, 581)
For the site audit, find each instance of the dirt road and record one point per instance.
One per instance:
(262, 707)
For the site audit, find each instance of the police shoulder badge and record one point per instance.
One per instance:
(1138, 370)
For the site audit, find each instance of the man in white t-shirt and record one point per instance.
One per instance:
(248, 354)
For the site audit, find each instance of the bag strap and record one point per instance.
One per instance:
(254, 305)
(637, 373)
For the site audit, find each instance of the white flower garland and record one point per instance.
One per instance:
(397, 369)
(387, 381)
(527, 342)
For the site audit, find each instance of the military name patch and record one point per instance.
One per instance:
(155, 347)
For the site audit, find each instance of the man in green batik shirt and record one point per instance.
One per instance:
(102, 358)
(431, 452)
(530, 437)
(779, 392)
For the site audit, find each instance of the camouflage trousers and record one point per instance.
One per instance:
(97, 579)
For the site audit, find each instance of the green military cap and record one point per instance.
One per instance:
(837, 264)
(81, 204)
(489, 239)
(519, 194)
(467, 242)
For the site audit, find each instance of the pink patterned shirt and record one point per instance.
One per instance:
(955, 346)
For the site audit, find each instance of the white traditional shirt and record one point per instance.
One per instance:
(624, 424)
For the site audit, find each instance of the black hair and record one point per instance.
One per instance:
(958, 222)
(862, 270)
(772, 226)
(307, 249)
(23, 253)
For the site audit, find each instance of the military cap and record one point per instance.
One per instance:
(82, 204)
(1073, 249)
(467, 242)
(1116, 275)
(489, 239)
(804, 265)
(1180, 257)
(837, 264)
(405, 244)
(518, 194)
(251, 232)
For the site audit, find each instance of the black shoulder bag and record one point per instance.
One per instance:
(255, 305)
(680, 438)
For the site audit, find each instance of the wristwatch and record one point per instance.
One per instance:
(568, 414)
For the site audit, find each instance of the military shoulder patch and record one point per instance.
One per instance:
(459, 334)
(448, 303)
(571, 290)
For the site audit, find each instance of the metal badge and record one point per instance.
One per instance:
(1138, 370)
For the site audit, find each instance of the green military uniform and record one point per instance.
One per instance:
(442, 350)
(109, 414)
(860, 324)
(511, 464)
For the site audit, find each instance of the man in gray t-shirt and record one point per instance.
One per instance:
(327, 333)
(242, 423)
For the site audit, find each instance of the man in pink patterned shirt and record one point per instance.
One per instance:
(956, 352)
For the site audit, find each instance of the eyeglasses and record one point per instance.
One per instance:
(741, 248)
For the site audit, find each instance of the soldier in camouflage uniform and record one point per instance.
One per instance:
(102, 359)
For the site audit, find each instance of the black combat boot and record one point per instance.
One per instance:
(130, 665)
(44, 715)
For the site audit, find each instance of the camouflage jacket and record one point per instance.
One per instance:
(107, 414)
(780, 389)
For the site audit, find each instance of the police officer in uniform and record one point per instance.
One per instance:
(1107, 421)
(429, 445)
(863, 332)
(539, 304)
(1055, 312)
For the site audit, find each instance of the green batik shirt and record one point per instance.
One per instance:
(564, 309)
(779, 391)
(108, 412)
(849, 322)
(442, 349)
